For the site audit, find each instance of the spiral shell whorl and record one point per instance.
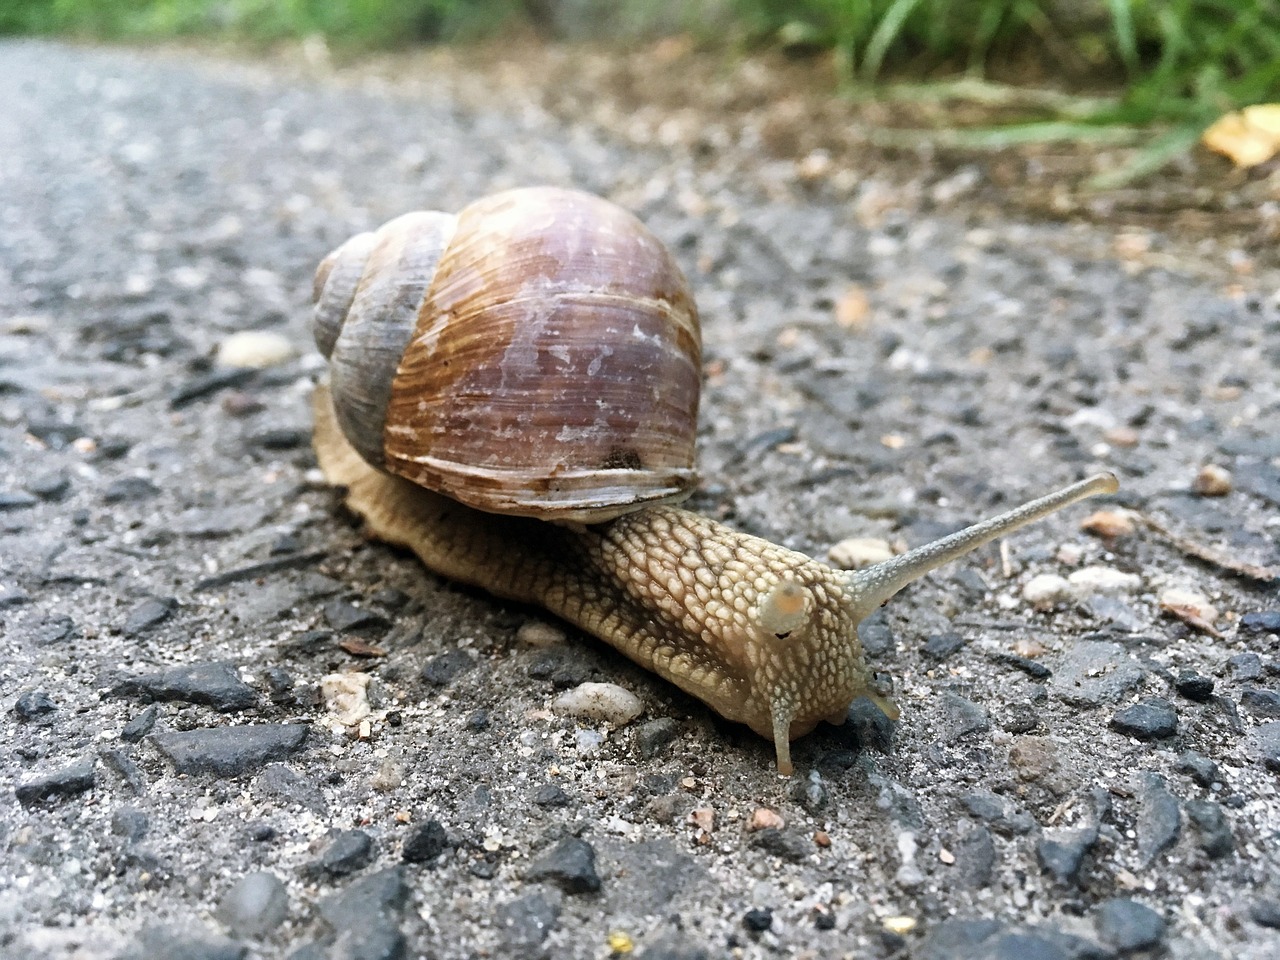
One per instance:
(367, 294)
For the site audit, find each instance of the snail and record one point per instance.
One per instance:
(513, 396)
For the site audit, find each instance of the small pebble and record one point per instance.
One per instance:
(1107, 581)
(1194, 686)
(570, 864)
(762, 818)
(1109, 524)
(255, 350)
(604, 702)
(1245, 667)
(348, 852)
(1261, 703)
(551, 795)
(1128, 925)
(66, 782)
(424, 842)
(1152, 718)
(653, 735)
(32, 704)
(254, 906)
(1211, 825)
(535, 633)
(1046, 590)
(1212, 481)
(1201, 769)
(854, 553)
(1265, 913)
(346, 697)
(757, 921)
(1268, 621)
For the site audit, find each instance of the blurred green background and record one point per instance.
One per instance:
(1183, 61)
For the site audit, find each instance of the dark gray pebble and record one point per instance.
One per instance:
(1244, 667)
(33, 704)
(1159, 820)
(653, 735)
(230, 751)
(1265, 913)
(524, 923)
(66, 782)
(443, 669)
(179, 943)
(1128, 925)
(344, 616)
(130, 490)
(139, 726)
(783, 844)
(16, 500)
(282, 438)
(758, 920)
(876, 634)
(551, 795)
(393, 598)
(147, 614)
(477, 720)
(1265, 621)
(1032, 668)
(1261, 703)
(424, 842)
(1022, 717)
(867, 726)
(376, 898)
(53, 630)
(940, 646)
(1194, 686)
(350, 851)
(1264, 743)
(259, 831)
(205, 384)
(1202, 770)
(1094, 672)
(975, 853)
(1152, 718)
(215, 684)
(13, 597)
(130, 823)
(129, 771)
(50, 486)
(962, 717)
(254, 906)
(279, 782)
(1211, 824)
(1062, 855)
(570, 864)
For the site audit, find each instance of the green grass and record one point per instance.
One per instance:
(1178, 63)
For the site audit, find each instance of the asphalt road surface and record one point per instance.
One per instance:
(1089, 776)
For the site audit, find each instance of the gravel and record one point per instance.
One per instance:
(164, 537)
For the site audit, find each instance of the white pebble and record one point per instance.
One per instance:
(1046, 590)
(606, 702)
(854, 553)
(1091, 581)
(255, 349)
(346, 697)
(535, 633)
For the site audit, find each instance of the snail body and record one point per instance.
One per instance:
(764, 635)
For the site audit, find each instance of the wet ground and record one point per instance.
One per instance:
(1092, 775)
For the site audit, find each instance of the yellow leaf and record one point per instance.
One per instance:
(1248, 137)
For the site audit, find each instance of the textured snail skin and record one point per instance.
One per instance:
(764, 635)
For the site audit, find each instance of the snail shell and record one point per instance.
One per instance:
(537, 354)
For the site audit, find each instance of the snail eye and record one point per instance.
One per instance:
(784, 608)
